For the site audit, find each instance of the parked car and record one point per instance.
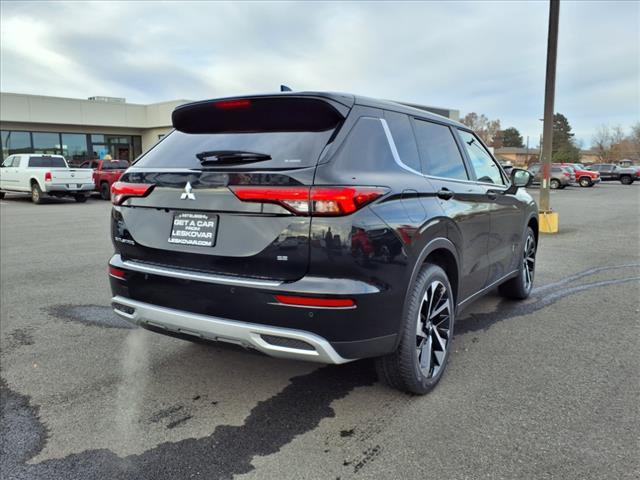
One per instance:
(584, 177)
(41, 175)
(199, 221)
(609, 172)
(559, 177)
(106, 173)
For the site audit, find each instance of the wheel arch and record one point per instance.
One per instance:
(441, 252)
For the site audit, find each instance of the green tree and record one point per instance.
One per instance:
(564, 148)
(511, 138)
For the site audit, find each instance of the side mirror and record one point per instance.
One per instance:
(519, 178)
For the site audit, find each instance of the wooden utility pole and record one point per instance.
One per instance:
(549, 94)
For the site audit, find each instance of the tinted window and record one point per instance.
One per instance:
(74, 147)
(402, 133)
(15, 142)
(439, 151)
(44, 142)
(115, 165)
(365, 148)
(487, 171)
(47, 162)
(287, 149)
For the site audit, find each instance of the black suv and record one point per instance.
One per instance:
(319, 226)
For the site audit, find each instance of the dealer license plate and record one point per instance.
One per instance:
(197, 229)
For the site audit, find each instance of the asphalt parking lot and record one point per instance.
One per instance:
(548, 388)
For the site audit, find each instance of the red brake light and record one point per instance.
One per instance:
(317, 201)
(315, 302)
(47, 177)
(116, 272)
(231, 104)
(120, 191)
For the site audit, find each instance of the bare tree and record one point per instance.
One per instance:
(612, 145)
(487, 130)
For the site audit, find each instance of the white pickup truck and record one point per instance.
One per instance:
(40, 175)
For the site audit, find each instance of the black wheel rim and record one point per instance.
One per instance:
(434, 328)
(529, 261)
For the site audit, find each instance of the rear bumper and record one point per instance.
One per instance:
(243, 310)
(276, 342)
(69, 187)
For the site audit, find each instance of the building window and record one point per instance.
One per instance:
(74, 148)
(15, 142)
(45, 142)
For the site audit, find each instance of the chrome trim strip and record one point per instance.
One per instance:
(488, 287)
(231, 331)
(117, 261)
(394, 149)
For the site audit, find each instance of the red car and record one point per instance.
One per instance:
(584, 177)
(105, 173)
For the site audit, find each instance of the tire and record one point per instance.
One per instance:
(1, 195)
(80, 198)
(421, 358)
(554, 184)
(585, 182)
(105, 191)
(519, 287)
(36, 193)
(626, 180)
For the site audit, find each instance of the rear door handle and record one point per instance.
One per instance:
(445, 194)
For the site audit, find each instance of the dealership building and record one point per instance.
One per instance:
(81, 129)
(86, 129)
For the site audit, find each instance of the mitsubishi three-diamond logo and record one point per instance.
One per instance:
(187, 194)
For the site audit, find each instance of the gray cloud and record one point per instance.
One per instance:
(487, 57)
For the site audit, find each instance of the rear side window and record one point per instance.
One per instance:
(366, 148)
(402, 133)
(439, 151)
(47, 162)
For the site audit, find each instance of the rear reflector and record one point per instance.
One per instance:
(120, 191)
(117, 272)
(316, 201)
(315, 302)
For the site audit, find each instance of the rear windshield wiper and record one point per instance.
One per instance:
(225, 157)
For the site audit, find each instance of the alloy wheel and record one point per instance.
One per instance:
(529, 261)
(433, 329)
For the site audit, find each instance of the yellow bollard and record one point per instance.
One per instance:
(548, 222)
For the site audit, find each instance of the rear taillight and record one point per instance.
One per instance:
(120, 191)
(567, 174)
(47, 176)
(315, 301)
(317, 201)
(117, 272)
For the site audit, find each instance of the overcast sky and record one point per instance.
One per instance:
(487, 57)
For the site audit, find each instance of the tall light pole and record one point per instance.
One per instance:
(547, 217)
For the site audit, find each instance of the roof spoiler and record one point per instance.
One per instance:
(280, 113)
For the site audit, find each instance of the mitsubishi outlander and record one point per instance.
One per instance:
(319, 226)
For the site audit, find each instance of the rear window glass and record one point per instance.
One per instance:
(115, 165)
(286, 149)
(47, 162)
